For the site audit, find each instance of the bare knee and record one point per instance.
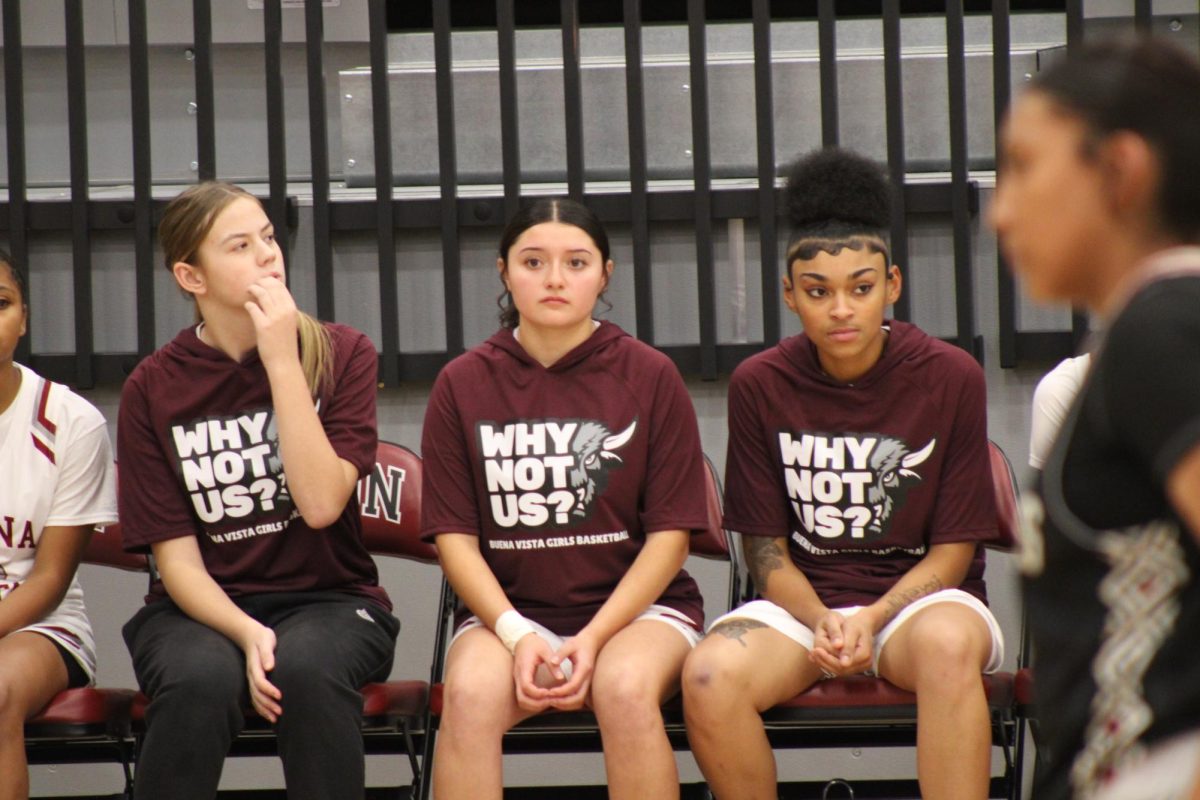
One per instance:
(477, 703)
(16, 703)
(949, 658)
(621, 696)
(9, 702)
(709, 669)
(712, 682)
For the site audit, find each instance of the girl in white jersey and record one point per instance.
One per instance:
(57, 484)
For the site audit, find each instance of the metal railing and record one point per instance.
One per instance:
(387, 215)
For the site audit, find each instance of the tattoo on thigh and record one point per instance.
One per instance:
(736, 628)
(764, 556)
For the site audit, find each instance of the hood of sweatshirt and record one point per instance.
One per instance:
(604, 336)
(905, 341)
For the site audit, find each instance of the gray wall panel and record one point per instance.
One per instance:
(42, 22)
(668, 117)
(240, 98)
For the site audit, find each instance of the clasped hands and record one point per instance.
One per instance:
(843, 645)
(546, 678)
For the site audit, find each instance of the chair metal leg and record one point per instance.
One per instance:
(410, 749)
(425, 785)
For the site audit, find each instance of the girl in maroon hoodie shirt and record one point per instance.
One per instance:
(563, 477)
(858, 477)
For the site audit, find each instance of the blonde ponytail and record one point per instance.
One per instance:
(316, 353)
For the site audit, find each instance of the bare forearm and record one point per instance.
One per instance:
(778, 580)
(31, 602)
(59, 550)
(471, 577)
(202, 599)
(648, 577)
(943, 567)
(319, 481)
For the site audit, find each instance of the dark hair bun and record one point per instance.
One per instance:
(835, 188)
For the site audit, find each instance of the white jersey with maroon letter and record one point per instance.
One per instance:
(57, 470)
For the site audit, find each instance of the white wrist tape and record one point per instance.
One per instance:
(511, 627)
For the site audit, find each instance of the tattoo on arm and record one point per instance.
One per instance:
(736, 628)
(896, 601)
(765, 557)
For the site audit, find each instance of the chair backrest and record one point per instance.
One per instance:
(105, 549)
(713, 541)
(389, 501)
(1004, 482)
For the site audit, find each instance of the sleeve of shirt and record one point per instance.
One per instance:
(349, 420)
(965, 509)
(151, 503)
(755, 502)
(86, 492)
(674, 494)
(448, 501)
(1151, 381)
(1051, 399)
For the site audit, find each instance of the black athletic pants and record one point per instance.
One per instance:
(329, 645)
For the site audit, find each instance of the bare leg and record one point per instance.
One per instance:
(31, 673)
(479, 705)
(636, 671)
(738, 671)
(939, 654)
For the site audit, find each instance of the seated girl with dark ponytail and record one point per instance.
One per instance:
(563, 477)
(859, 479)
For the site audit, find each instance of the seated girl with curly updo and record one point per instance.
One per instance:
(858, 476)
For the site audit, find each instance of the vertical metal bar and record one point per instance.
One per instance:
(1143, 14)
(572, 97)
(1079, 320)
(702, 178)
(827, 43)
(277, 206)
(14, 119)
(764, 108)
(314, 35)
(894, 103)
(956, 81)
(381, 111)
(510, 139)
(448, 175)
(1001, 92)
(639, 217)
(143, 230)
(81, 240)
(206, 137)
(1074, 23)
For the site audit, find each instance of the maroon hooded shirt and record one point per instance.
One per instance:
(199, 456)
(562, 471)
(862, 477)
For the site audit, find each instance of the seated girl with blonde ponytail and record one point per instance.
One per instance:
(240, 444)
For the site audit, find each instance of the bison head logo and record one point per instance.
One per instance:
(892, 463)
(594, 449)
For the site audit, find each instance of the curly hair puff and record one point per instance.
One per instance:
(835, 194)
